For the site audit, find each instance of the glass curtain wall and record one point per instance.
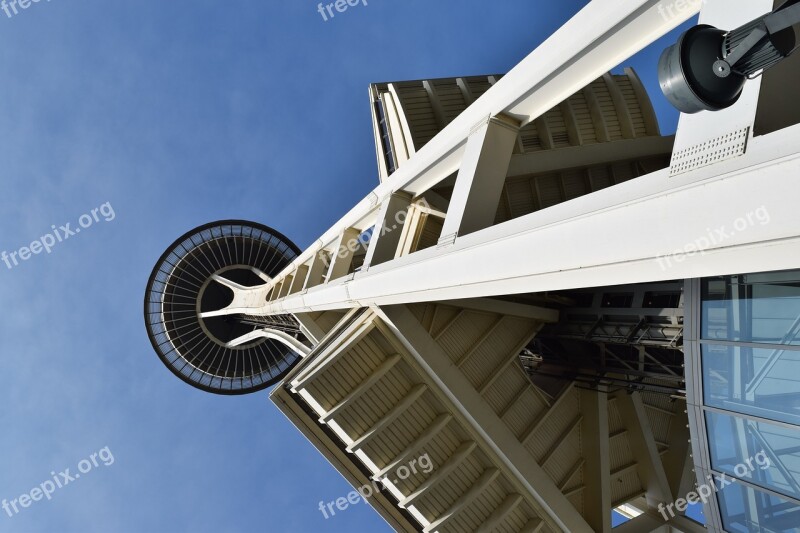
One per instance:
(750, 356)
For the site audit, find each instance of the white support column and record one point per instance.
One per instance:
(623, 112)
(481, 178)
(319, 266)
(286, 284)
(388, 229)
(299, 279)
(597, 477)
(598, 119)
(466, 91)
(645, 449)
(343, 254)
(408, 234)
(436, 103)
(309, 326)
(677, 461)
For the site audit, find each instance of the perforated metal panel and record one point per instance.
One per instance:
(710, 152)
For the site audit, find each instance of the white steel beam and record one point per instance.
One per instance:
(563, 396)
(601, 36)
(317, 269)
(360, 389)
(605, 153)
(299, 279)
(431, 431)
(384, 422)
(643, 444)
(533, 526)
(359, 326)
(452, 463)
(342, 256)
(500, 514)
(502, 307)
(740, 221)
(310, 327)
(481, 178)
(464, 500)
(597, 470)
(388, 229)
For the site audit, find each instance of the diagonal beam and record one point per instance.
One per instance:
(388, 229)
(360, 389)
(310, 327)
(343, 253)
(677, 461)
(464, 500)
(501, 444)
(455, 461)
(597, 469)
(387, 419)
(644, 447)
(565, 393)
(481, 177)
(500, 514)
(601, 36)
(424, 438)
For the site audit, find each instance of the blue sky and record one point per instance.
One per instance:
(179, 113)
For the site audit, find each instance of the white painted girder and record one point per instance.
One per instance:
(614, 236)
(597, 39)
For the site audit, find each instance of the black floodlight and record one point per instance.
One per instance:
(707, 68)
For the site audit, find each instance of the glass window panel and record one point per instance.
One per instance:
(696, 513)
(747, 510)
(760, 308)
(760, 382)
(764, 454)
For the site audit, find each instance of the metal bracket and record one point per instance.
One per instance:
(447, 240)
